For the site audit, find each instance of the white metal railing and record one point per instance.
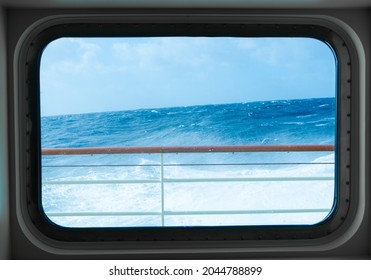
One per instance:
(162, 180)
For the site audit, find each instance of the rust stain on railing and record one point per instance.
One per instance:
(186, 149)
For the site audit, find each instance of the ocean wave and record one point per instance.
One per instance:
(257, 123)
(224, 124)
(186, 194)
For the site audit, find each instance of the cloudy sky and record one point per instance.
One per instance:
(81, 75)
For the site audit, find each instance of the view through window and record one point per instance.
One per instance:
(187, 131)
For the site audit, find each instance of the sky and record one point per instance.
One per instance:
(85, 75)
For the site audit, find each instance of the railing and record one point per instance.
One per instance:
(163, 179)
(188, 149)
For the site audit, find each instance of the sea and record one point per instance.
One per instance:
(191, 189)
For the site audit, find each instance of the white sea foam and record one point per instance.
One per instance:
(190, 184)
(188, 197)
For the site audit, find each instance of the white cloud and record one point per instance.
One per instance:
(157, 53)
(276, 51)
(82, 57)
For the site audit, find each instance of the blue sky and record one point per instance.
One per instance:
(82, 75)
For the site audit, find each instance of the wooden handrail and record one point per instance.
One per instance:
(186, 149)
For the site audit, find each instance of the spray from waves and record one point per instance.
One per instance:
(199, 196)
(271, 122)
(275, 122)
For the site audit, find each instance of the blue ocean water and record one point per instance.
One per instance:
(106, 180)
(303, 121)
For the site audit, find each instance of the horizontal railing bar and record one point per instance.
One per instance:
(102, 214)
(187, 149)
(100, 182)
(101, 165)
(187, 213)
(251, 179)
(190, 180)
(246, 164)
(243, 212)
(189, 164)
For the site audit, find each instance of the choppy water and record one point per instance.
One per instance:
(306, 121)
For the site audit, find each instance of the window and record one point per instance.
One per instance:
(203, 133)
(211, 101)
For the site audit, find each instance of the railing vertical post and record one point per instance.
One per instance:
(162, 191)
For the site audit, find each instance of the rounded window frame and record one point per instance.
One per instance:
(28, 116)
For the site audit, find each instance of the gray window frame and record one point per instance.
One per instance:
(28, 120)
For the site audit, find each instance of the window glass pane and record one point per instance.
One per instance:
(187, 131)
